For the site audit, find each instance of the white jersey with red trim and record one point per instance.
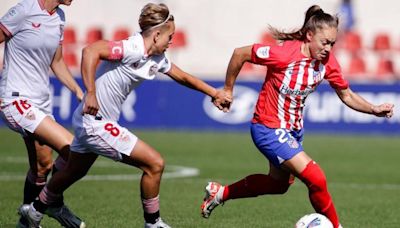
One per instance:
(33, 38)
(290, 78)
(121, 77)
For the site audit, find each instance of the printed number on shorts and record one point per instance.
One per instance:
(281, 135)
(114, 131)
(21, 106)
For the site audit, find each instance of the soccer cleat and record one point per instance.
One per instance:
(65, 217)
(213, 198)
(23, 222)
(159, 224)
(30, 218)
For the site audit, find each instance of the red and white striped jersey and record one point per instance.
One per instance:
(290, 78)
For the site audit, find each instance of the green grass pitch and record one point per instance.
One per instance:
(362, 171)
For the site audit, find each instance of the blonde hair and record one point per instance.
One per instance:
(154, 15)
(315, 19)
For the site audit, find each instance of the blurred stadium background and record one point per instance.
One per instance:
(368, 49)
(358, 153)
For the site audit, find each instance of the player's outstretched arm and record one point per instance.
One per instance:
(239, 57)
(356, 102)
(219, 97)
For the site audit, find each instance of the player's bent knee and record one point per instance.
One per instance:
(283, 188)
(157, 166)
(314, 177)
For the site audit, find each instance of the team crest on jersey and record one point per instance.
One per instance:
(124, 138)
(12, 12)
(153, 70)
(30, 115)
(317, 76)
(263, 52)
(293, 143)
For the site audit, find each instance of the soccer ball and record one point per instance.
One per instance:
(314, 220)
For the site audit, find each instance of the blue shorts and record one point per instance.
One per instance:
(277, 144)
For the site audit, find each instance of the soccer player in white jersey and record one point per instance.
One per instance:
(296, 66)
(33, 32)
(97, 132)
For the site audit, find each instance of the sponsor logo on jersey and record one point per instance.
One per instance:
(36, 25)
(242, 108)
(297, 92)
(263, 52)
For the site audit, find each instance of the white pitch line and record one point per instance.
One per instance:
(172, 171)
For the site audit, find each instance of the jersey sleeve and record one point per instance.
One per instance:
(11, 22)
(165, 65)
(262, 54)
(132, 52)
(62, 23)
(334, 74)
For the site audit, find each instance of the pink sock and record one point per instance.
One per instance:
(48, 197)
(151, 206)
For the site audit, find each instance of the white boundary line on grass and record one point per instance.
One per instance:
(171, 171)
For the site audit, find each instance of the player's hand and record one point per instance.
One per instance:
(90, 106)
(383, 110)
(223, 100)
(79, 95)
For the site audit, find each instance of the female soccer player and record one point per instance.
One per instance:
(33, 33)
(97, 132)
(296, 66)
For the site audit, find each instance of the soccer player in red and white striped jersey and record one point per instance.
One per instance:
(297, 64)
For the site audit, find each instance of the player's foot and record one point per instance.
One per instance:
(29, 216)
(159, 224)
(65, 217)
(213, 198)
(23, 222)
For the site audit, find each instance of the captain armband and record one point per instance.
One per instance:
(116, 50)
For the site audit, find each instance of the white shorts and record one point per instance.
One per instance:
(21, 115)
(103, 137)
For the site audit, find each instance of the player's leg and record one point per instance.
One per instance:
(276, 145)
(50, 197)
(310, 173)
(40, 162)
(57, 137)
(54, 135)
(144, 157)
(277, 181)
